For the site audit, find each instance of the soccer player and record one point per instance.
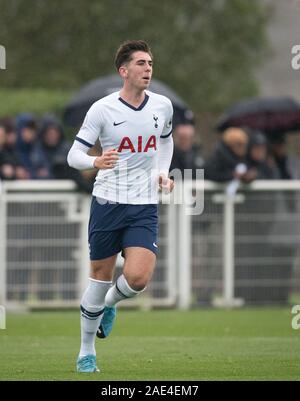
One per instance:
(134, 127)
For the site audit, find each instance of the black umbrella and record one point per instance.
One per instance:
(94, 90)
(271, 115)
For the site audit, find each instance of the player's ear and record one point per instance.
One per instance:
(123, 71)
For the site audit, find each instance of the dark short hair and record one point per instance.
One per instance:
(127, 48)
(31, 124)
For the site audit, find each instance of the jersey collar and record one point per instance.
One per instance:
(141, 106)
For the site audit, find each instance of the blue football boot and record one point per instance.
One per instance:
(107, 322)
(87, 364)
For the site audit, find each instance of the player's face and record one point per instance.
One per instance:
(138, 71)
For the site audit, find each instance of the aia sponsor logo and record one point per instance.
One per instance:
(141, 146)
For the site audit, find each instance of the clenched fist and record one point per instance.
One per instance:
(166, 185)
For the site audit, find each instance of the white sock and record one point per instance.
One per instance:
(120, 290)
(92, 306)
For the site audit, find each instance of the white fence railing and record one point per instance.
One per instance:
(245, 248)
(44, 251)
(240, 249)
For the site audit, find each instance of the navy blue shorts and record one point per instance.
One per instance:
(115, 226)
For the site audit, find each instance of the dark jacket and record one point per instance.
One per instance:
(10, 156)
(190, 160)
(264, 172)
(30, 154)
(221, 164)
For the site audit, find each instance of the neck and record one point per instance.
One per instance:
(132, 95)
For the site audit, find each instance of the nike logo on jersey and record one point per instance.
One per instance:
(154, 244)
(115, 124)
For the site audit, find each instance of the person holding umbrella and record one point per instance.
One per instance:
(275, 117)
(134, 127)
(258, 157)
(288, 166)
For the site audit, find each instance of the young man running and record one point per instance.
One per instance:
(134, 128)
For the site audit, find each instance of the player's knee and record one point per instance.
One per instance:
(138, 283)
(101, 273)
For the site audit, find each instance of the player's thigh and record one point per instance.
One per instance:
(103, 269)
(139, 265)
(104, 248)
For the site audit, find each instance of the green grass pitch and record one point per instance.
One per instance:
(245, 344)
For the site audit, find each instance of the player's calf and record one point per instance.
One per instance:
(119, 291)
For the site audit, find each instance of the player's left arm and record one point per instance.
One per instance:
(165, 152)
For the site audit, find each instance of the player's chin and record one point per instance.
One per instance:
(145, 83)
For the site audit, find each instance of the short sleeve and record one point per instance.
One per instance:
(167, 130)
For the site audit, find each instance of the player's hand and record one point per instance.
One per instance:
(107, 160)
(166, 185)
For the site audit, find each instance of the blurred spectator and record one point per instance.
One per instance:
(288, 167)
(55, 148)
(29, 150)
(9, 150)
(7, 168)
(230, 153)
(186, 153)
(3, 167)
(257, 156)
(53, 145)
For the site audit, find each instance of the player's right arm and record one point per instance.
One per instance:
(85, 139)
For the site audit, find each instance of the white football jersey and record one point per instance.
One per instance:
(135, 133)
